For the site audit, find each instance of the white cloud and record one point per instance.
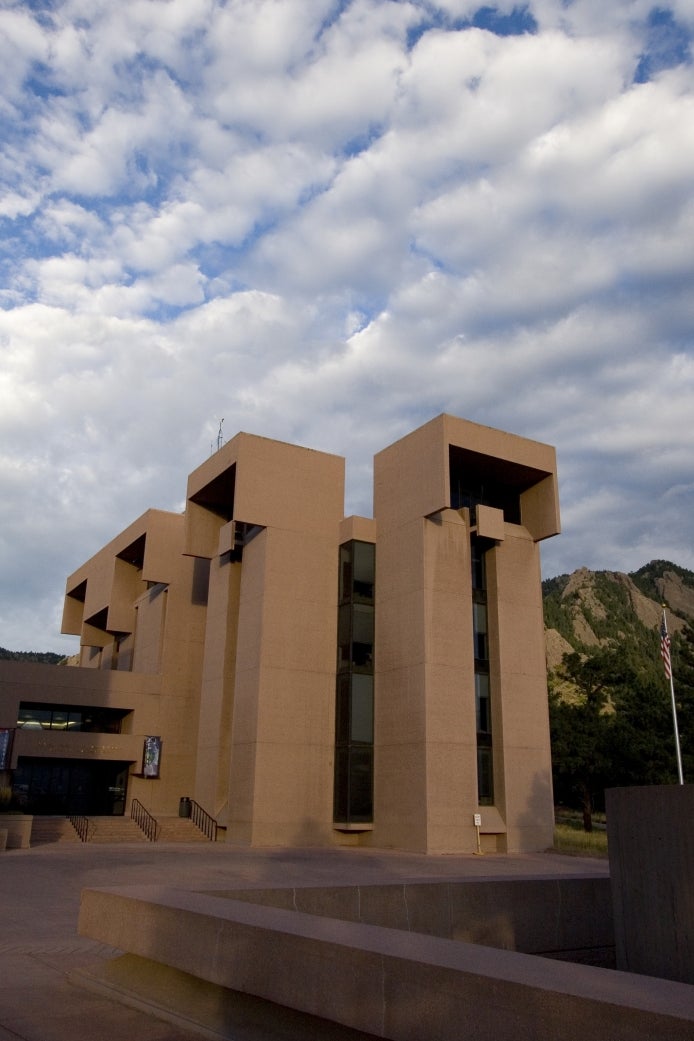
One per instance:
(21, 43)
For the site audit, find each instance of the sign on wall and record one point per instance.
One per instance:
(6, 736)
(151, 757)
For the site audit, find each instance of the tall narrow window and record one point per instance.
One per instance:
(483, 709)
(354, 706)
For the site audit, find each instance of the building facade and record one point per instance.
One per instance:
(305, 677)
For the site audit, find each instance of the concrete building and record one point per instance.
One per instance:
(309, 678)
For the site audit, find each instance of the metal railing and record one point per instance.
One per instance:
(81, 825)
(203, 820)
(144, 820)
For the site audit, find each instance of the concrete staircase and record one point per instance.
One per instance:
(113, 829)
(179, 829)
(52, 829)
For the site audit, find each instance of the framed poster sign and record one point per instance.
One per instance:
(6, 736)
(151, 757)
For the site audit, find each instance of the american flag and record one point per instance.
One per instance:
(665, 648)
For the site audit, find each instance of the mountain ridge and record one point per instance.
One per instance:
(587, 610)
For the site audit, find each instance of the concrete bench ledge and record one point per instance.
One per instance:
(392, 984)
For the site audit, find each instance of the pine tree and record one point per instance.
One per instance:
(580, 731)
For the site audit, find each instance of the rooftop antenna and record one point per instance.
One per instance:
(220, 439)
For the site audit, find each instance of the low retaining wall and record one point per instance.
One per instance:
(566, 917)
(394, 984)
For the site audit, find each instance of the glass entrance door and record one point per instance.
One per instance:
(65, 786)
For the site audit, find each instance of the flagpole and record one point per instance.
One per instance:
(677, 734)
(665, 654)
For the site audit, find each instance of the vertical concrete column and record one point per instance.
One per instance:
(450, 728)
(217, 687)
(400, 765)
(281, 770)
(244, 732)
(425, 702)
(520, 722)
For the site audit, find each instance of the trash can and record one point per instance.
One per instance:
(184, 807)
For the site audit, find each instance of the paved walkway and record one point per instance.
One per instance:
(39, 945)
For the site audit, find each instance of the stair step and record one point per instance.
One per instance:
(179, 829)
(52, 829)
(114, 829)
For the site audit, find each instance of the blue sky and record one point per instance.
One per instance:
(327, 222)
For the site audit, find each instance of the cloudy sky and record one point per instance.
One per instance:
(327, 222)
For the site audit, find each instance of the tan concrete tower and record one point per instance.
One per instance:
(266, 516)
(461, 724)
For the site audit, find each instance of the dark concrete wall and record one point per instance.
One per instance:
(569, 918)
(650, 834)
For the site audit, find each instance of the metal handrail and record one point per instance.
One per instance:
(81, 825)
(144, 820)
(203, 820)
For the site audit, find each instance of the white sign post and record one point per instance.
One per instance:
(477, 818)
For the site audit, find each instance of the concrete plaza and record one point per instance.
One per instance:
(41, 953)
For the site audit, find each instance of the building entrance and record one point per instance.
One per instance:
(67, 786)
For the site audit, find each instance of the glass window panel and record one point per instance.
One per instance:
(362, 708)
(344, 636)
(361, 784)
(342, 709)
(479, 577)
(74, 721)
(34, 718)
(479, 625)
(362, 657)
(345, 591)
(479, 617)
(363, 627)
(114, 726)
(364, 570)
(485, 776)
(362, 636)
(482, 703)
(91, 722)
(341, 788)
(59, 720)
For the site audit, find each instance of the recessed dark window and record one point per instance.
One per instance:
(70, 718)
(477, 479)
(483, 698)
(354, 704)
